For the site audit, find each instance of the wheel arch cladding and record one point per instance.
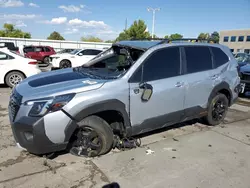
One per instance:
(223, 88)
(112, 105)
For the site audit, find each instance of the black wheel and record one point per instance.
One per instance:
(65, 64)
(217, 110)
(46, 60)
(93, 138)
(13, 78)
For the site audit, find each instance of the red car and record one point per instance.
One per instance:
(39, 53)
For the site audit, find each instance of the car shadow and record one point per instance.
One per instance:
(4, 86)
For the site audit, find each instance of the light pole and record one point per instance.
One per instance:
(153, 25)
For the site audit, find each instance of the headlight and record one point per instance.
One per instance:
(42, 106)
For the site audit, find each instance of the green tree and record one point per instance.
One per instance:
(215, 36)
(55, 36)
(204, 36)
(109, 41)
(9, 30)
(91, 39)
(123, 36)
(174, 36)
(136, 31)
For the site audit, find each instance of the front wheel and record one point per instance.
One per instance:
(13, 78)
(93, 138)
(217, 110)
(65, 64)
(46, 60)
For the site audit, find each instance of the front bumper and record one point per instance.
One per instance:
(29, 133)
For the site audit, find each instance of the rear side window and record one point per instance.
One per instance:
(46, 49)
(219, 56)
(198, 59)
(91, 52)
(163, 63)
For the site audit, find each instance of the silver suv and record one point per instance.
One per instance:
(132, 88)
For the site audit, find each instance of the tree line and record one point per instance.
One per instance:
(138, 30)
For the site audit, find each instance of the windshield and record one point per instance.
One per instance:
(18, 54)
(243, 58)
(74, 51)
(111, 64)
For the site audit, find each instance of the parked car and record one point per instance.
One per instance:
(64, 51)
(243, 60)
(73, 59)
(9, 45)
(132, 88)
(40, 53)
(245, 78)
(14, 68)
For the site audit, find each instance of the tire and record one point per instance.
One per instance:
(217, 99)
(13, 78)
(102, 129)
(46, 60)
(65, 64)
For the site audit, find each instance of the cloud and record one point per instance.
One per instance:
(20, 23)
(56, 21)
(11, 3)
(71, 31)
(34, 5)
(71, 8)
(74, 9)
(18, 16)
(87, 24)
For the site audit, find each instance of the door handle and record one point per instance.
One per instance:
(179, 84)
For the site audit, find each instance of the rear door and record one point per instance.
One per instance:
(5, 65)
(199, 78)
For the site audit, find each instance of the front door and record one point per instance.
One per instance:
(157, 97)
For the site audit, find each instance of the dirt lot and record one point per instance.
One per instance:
(189, 156)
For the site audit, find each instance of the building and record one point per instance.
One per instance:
(236, 40)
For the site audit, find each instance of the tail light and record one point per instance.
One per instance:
(33, 62)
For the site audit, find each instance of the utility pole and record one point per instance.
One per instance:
(153, 25)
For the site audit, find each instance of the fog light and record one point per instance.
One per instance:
(28, 136)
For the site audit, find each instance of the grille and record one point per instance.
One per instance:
(245, 77)
(14, 104)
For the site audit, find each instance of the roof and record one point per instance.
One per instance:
(138, 44)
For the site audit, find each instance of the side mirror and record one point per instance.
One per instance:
(147, 91)
(80, 54)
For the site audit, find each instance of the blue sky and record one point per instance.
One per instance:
(106, 19)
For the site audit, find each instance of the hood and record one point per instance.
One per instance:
(55, 83)
(245, 69)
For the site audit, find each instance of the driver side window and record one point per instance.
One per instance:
(161, 64)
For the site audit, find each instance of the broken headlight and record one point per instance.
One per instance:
(40, 107)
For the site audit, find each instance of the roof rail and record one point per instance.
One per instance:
(164, 40)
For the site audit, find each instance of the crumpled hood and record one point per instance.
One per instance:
(55, 83)
(245, 69)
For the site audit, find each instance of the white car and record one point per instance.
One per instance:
(75, 58)
(14, 68)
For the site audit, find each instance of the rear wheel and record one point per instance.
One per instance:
(93, 138)
(217, 110)
(65, 64)
(13, 78)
